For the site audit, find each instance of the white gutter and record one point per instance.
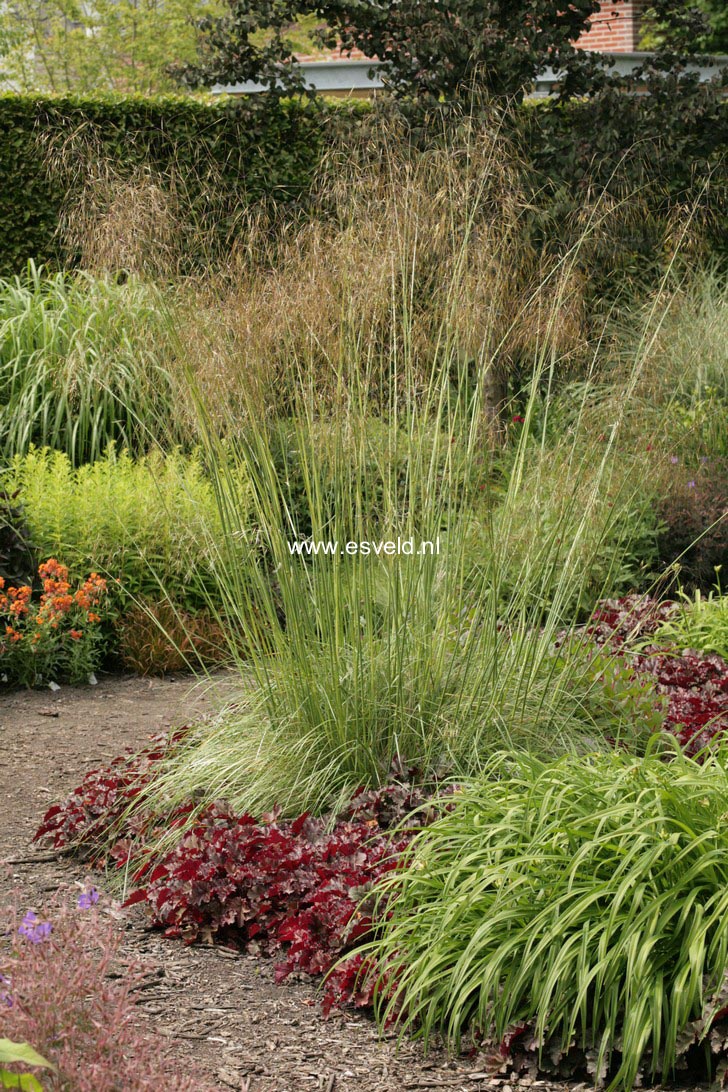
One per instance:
(319, 76)
(344, 76)
(624, 64)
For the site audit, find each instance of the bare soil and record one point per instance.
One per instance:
(223, 1010)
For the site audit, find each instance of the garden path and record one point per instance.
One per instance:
(223, 1009)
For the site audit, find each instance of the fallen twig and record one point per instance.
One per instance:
(42, 858)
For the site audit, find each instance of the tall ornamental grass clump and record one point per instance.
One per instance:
(357, 661)
(407, 254)
(585, 899)
(683, 394)
(82, 364)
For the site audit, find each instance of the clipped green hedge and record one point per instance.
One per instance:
(656, 154)
(663, 146)
(256, 147)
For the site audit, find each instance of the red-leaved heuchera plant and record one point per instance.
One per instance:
(694, 683)
(292, 887)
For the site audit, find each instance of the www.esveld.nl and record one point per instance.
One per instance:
(389, 547)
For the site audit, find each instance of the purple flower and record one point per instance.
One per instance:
(674, 459)
(88, 899)
(691, 484)
(35, 930)
(703, 459)
(6, 997)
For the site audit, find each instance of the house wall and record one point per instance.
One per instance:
(615, 28)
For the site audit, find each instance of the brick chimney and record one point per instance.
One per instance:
(615, 28)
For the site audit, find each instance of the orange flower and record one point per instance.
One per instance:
(54, 577)
(13, 634)
(52, 569)
(93, 617)
(75, 634)
(22, 593)
(90, 593)
(55, 587)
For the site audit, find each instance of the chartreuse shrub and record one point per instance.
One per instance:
(82, 364)
(147, 525)
(584, 899)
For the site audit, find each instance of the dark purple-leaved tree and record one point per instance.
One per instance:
(433, 50)
(436, 50)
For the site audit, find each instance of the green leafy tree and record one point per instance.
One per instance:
(703, 25)
(116, 45)
(249, 41)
